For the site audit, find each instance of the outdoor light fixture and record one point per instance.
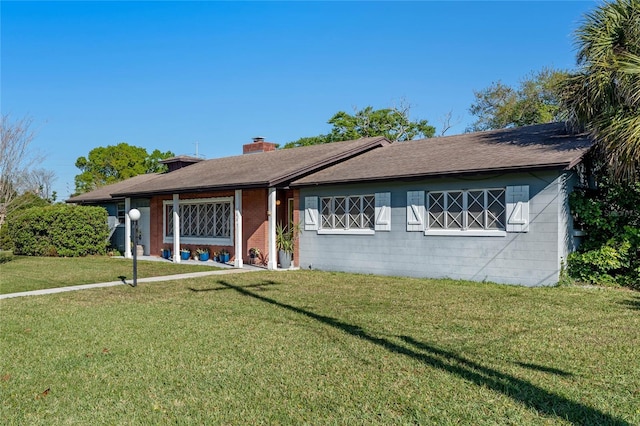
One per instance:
(134, 215)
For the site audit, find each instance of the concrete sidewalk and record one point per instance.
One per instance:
(246, 268)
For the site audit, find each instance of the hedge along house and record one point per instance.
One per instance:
(231, 203)
(116, 209)
(480, 206)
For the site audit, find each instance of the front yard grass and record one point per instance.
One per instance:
(311, 347)
(26, 273)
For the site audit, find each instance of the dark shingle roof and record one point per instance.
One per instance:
(524, 148)
(104, 193)
(252, 170)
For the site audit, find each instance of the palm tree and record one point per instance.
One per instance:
(603, 96)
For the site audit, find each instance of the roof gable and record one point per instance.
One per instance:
(264, 169)
(523, 148)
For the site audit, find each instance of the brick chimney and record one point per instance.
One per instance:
(258, 145)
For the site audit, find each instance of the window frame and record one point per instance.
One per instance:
(347, 215)
(120, 212)
(464, 230)
(223, 241)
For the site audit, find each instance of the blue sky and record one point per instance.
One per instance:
(168, 75)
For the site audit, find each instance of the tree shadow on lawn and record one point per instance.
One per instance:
(544, 369)
(259, 286)
(633, 303)
(545, 402)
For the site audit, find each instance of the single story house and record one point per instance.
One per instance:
(231, 203)
(480, 206)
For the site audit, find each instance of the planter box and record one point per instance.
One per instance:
(203, 257)
(185, 255)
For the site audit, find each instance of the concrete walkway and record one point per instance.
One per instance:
(229, 270)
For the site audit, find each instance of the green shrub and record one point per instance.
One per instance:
(14, 209)
(5, 256)
(60, 230)
(5, 240)
(610, 253)
(599, 266)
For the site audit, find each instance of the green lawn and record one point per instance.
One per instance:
(26, 273)
(312, 347)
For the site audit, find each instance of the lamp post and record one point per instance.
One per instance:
(134, 215)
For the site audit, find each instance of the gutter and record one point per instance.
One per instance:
(419, 176)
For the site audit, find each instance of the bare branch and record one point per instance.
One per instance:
(15, 158)
(446, 122)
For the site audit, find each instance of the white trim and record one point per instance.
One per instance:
(346, 232)
(464, 212)
(347, 214)
(238, 234)
(176, 228)
(465, 233)
(127, 229)
(271, 213)
(217, 241)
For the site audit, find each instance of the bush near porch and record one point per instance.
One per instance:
(311, 347)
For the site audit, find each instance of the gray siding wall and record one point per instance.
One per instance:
(532, 258)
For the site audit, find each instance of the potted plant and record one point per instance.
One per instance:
(203, 254)
(166, 252)
(224, 255)
(254, 253)
(285, 243)
(185, 253)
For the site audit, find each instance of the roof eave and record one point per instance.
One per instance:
(453, 173)
(250, 185)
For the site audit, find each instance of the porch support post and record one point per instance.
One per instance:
(176, 228)
(238, 262)
(127, 229)
(273, 255)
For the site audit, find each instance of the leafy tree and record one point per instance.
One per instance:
(603, 96)
(392, 123)
(535, 101)
(113, 163)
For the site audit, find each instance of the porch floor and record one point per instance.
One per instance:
(199, 262)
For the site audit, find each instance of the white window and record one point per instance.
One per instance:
(355, 214)
(207, 221)
(482, 210)
(120, 212)
(351, 212)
